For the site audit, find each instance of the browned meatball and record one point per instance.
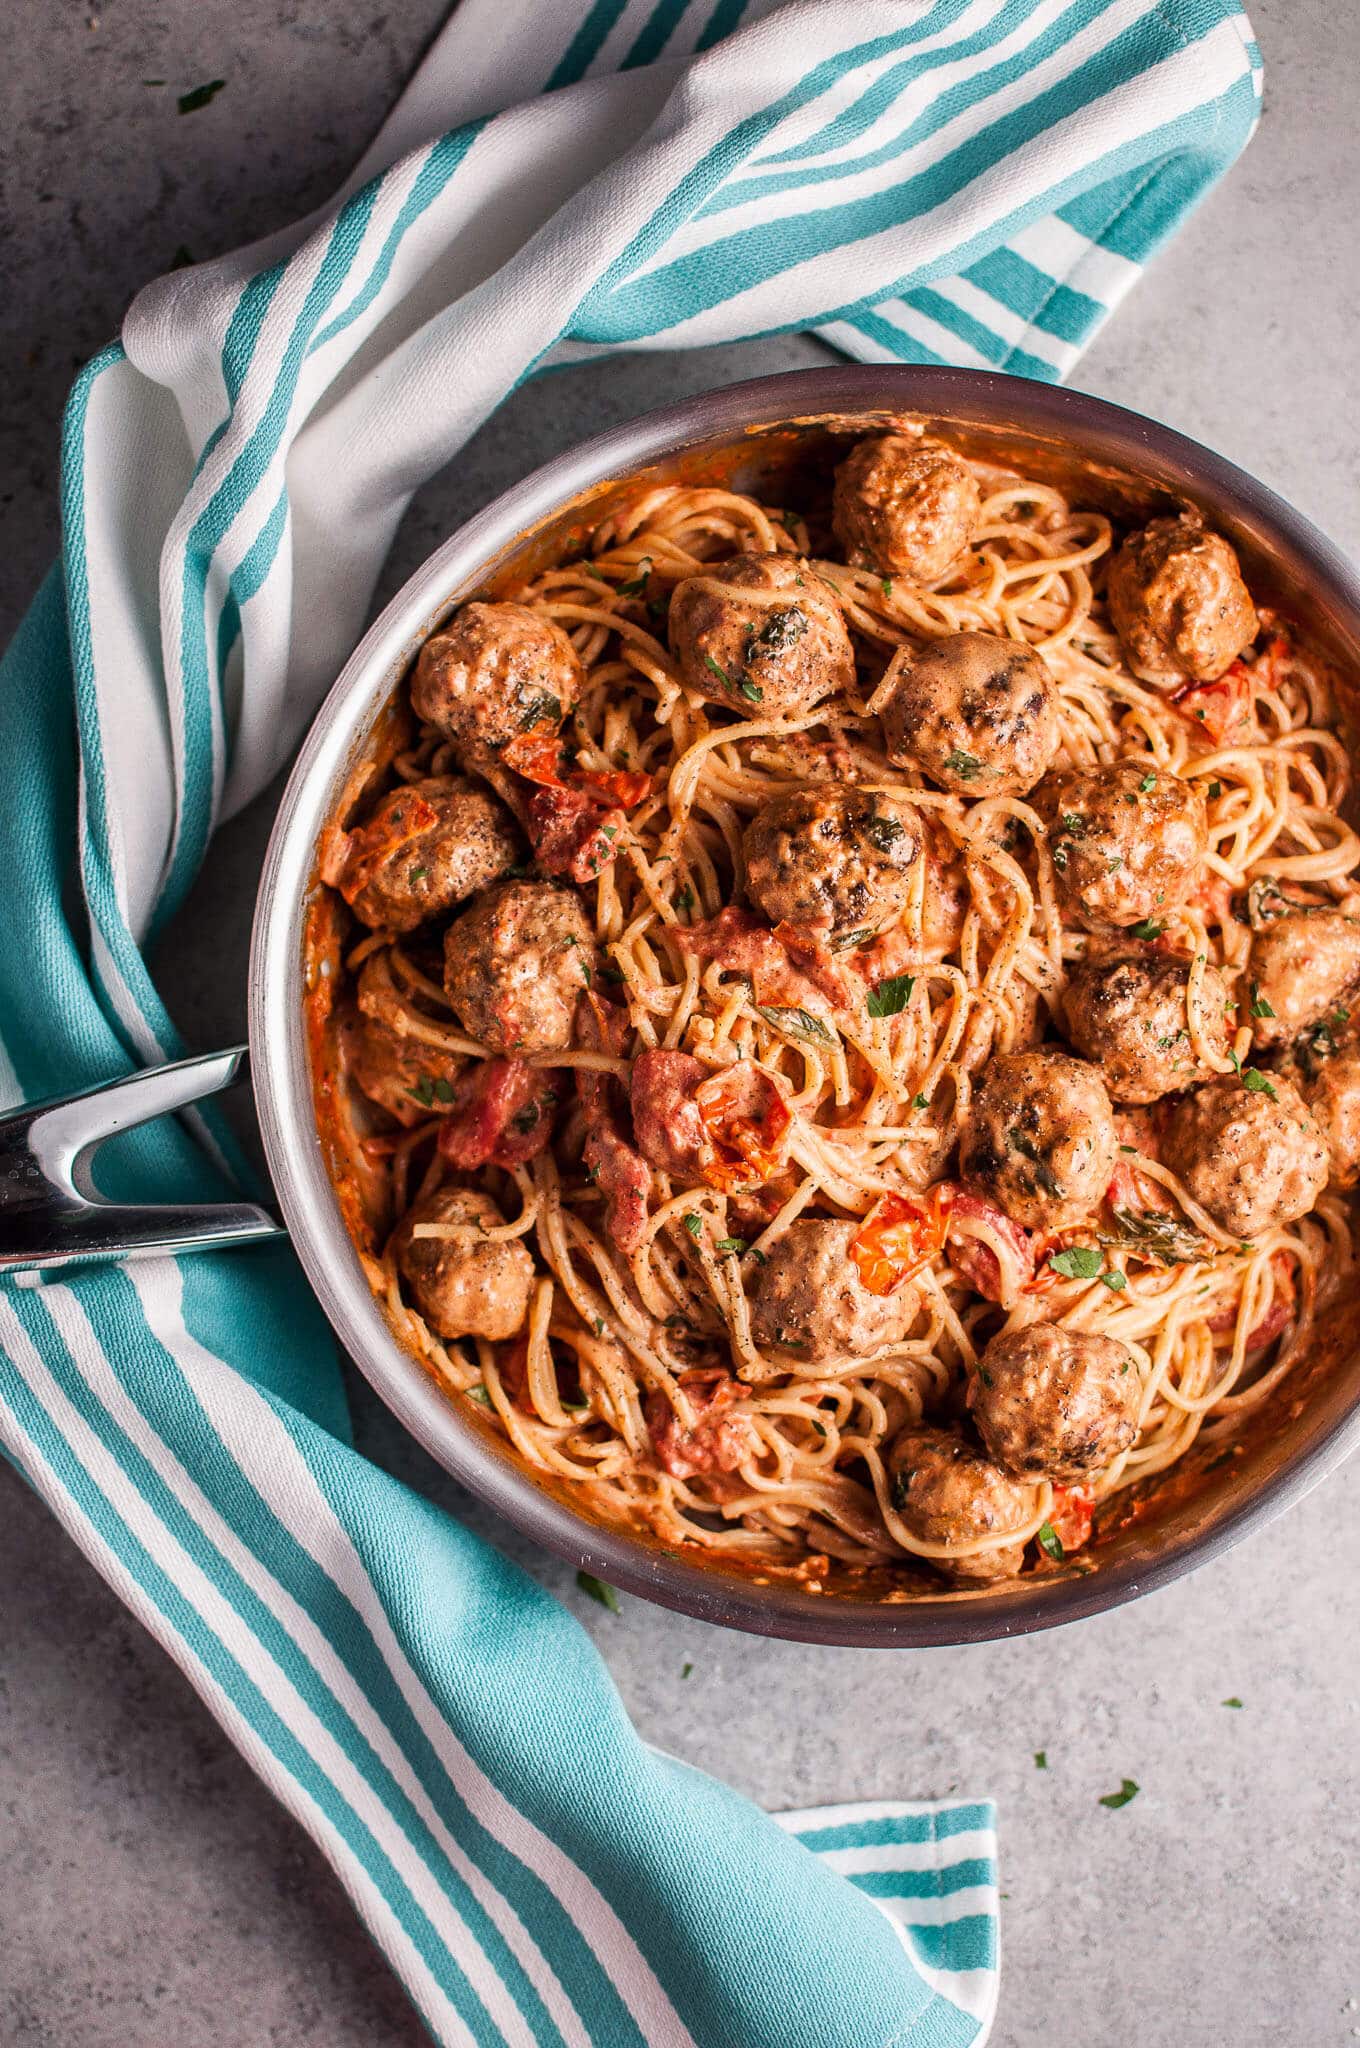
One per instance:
(1248, 1151)
(1130, 1015)
(1040, 1139)
(1329, 1079)
(761, 634)
(515, 964)
(978, 712)
(465, 1289)
(1302, 966)
(832, 858)
(1178, 602)
(426, 846)
(1127, 841)
(946, 1491)
(906, 506)
(495, 670)
(809, 1297)
(1051, 1403)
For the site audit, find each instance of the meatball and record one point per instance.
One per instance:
(1131, 1016)
(1127, 841)
(906, 506)
(1040, 1139)
(515, 964)
(832, 858)
(1178, 602)
(1051, 1403)
(1331, 1090)
(1301, 966)
(426, 846)
(464, 1289)
(977, 711)
(392, 1066)
(946, 1491)
(1251, 1155)
(762, 635)
(809, 1297)
(495, 670)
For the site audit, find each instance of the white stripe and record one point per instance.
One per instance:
(798, 201)
(974, 1992)
(932, 335)
(941, 1912)
(1055, 246)
(240, 1640)
(386, 1928)
(861, 1812)
(1177, 86)
(940, 1853)
(1009, 327)
(254, 1436)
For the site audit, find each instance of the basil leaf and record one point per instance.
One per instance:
(798, 1023)
(1128, 1790)
(1258, 1083)
(639, 582)
(1050, 1542)
(598, 1590)
(966, 766)
(889, 997)
(1115, 1281)
(735, 1245)
(1078, 1262)
(1259, 1006)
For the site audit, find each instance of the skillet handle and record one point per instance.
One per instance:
(51, 1213)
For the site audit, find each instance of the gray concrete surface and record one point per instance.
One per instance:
(151, 1895)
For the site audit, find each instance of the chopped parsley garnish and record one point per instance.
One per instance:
(1075, 825)
(1234, 1701)
(1150, 928)
(611, 971)
(719, 671)
(480, 1396)
(1021, 1142)
(1060, 856)
(1041, 1759)
(1116, 860)
(443, 1090)
(639, 582)
(851, 941)
(887, 998)
(414, 875)
(1050, 1542)
(966, 766)
(1258, 1083)
(1116, 1283)
(685, 899)
(685, 1670)
(1341, 1015)
(201, 96)
(598, 1590)
(599, 1329)
(920, 1102)
(1078, 1262)
(1259, 1006)
(735, 1245)
(798, 1023)
(887, 586)
(751, 690)
(423, 1092)
(901, 1488)
(883, 832)
(1215, 790)
(1128, 1790)
(694, 1225)
(542, 709)
(1148, 782)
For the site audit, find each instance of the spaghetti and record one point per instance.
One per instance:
(641, 1383)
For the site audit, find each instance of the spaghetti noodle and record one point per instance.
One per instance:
(641, 1383)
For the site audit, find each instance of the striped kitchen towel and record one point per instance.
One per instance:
(968, 181)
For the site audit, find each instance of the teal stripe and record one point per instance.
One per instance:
(925, 1884)
(652, 38)
(934, 1826)
(587, 42)
(885, 91)
(161, 1389)
(219, 1665)
(723, 20)
(905, 347)
(1031, 293)
(985, 340)
(967, 1944)
(700, 280)
(32, 1311)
